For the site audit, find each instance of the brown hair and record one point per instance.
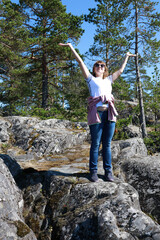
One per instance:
(105, 74)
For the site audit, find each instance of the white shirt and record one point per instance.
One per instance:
(99, 86)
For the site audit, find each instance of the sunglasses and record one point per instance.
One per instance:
(99, 65)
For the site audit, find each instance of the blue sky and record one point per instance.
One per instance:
(79, 7)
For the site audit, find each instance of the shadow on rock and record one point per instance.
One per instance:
(12, 165)
(30, 176)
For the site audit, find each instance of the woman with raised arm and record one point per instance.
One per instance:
(101, 112)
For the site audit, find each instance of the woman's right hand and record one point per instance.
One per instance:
(130, 54)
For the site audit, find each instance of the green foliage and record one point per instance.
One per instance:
(12, 43)
(110, 40)
(152, 94)
(123, 122)
(148, 24)
(60, 113)
(120, 105)
(50, 26)
(120, 134)
(55, 112)
(29, 52)
(4, 147)
(77, 115)
(121, 89)
(152, 142)
(74, 88)
(46, 114)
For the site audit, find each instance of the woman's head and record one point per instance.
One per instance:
(100, 69)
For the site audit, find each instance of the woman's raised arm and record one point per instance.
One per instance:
(83, 67)
(116, 74)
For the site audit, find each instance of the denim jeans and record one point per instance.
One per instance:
(101, 132)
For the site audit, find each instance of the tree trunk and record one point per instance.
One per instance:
(44, 72)
(140, 93)
(44, 82)
(107, 45)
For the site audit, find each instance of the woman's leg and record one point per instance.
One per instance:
(108, 132)
(96, 134)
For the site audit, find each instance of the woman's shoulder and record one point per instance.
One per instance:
(109, 77)
(90, 77)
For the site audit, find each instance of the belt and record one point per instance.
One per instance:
(102, 108)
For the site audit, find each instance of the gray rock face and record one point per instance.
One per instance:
(12, 165)
(48, 136)
(4, 133)
(144, 175)
(12, 225)
(132, 131)
(90, 211)
(57, 200)
(125, 149)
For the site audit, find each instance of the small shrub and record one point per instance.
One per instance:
(120, 134)
(152, 142)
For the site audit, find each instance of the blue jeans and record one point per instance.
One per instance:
(101, 132)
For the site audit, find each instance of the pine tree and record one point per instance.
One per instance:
(75, 92)
(12, 63)
(109, 40)
(49, 24)
(152, 95)
(144, 23)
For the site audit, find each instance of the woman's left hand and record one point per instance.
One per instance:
(65, 44)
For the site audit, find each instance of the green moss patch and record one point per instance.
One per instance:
(22, 228)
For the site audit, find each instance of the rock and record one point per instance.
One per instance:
(125, 149)
(104, 211)
(60, 202)
(12, 165)
(143, 173)
(132, 131)
(4, 134)
(48, 136)
(66, 208)
(127, 109)
(12, 225)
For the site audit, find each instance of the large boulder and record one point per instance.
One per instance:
(70, 207)
(77, 210)
(12, 225)
(46, 137)
(143, 173)
(125, 149)
(132, 131)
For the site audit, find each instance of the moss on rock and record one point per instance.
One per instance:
(22, 228)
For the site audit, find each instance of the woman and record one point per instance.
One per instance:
(101, 112)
